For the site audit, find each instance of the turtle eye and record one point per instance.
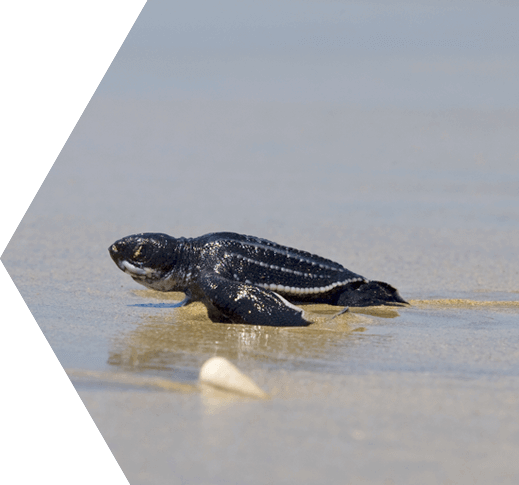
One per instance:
(141, 252)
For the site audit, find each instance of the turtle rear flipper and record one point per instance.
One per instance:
(243, 303)
(370, 293)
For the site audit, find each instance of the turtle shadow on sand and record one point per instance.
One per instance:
(158, 305)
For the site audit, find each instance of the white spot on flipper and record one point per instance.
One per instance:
(290, 305)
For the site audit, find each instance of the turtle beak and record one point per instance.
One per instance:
(117, 253)
(113, 250)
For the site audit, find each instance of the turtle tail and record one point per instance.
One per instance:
(370, 293)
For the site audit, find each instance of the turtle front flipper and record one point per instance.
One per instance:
(243, 303)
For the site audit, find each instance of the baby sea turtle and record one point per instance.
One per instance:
(245, 279)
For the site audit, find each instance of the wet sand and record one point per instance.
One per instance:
(423, 394)
(389, 428)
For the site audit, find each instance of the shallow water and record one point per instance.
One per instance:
(421, 197)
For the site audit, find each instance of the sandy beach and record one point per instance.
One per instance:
(420, 193)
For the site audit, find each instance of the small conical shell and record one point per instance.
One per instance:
(219, 372)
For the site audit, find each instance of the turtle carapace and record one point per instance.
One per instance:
(245, 279)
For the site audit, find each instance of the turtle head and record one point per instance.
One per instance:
(148, 258)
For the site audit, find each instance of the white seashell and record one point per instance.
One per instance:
(219, 372)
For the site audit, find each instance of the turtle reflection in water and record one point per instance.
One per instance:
(245, 279)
